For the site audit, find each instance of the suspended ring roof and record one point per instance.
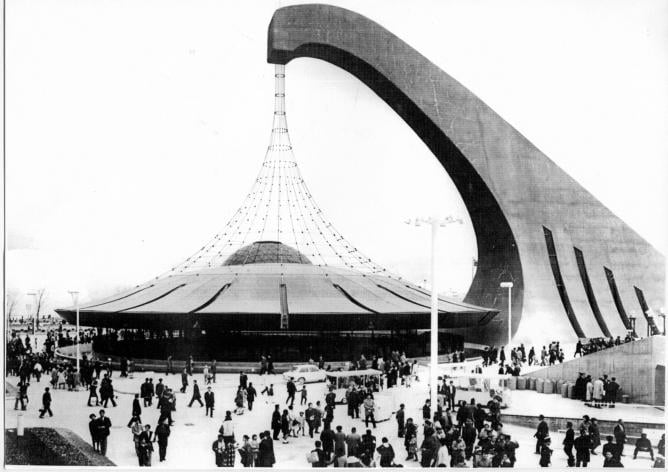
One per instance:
(253, 296)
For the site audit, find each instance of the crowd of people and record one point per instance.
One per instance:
(592, 345)
(457, 433)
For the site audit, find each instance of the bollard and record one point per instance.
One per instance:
(564, 389)
(532, 383)
(20, 429)
(521, 383)
(539, 385)
(513, 383)
(548, 386)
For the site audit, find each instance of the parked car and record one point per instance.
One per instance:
(306, 373)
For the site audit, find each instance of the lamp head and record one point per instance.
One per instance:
(506, 285)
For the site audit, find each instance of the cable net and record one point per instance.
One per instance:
(279, 207)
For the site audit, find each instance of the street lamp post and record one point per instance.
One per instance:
(34, 313)
(75, 300)
(509, 286)
(433, 343)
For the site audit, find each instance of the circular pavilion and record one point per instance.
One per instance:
(279, 279)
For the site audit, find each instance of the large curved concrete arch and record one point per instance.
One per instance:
(516, 196)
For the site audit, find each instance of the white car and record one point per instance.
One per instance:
(306, 373)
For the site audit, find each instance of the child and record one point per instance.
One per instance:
(299, 423)
(270, 393)
(255, 448)
(303, 399)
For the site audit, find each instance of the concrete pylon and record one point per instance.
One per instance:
(578, 270)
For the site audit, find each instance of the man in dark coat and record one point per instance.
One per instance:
(197, 397)
(612, 390)
(159, 390)
(136, 407)
(251, 394)
(620, 436)
(266, 451)
(450, 394)
(327, 438)
(401, 416)
(292, 389)
(568, 443)
(162, 432)
(243, 380)
(579, 390)
(92, 428)
(386, 453)
(184, 380)
(46, 403)
(469, 435)
(276, 422)
(542, 431)
(209, 402)
(582, 449)
(103, 429)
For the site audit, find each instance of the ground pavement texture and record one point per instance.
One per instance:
(193, 432)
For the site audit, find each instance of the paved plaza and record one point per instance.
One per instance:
(193, 433)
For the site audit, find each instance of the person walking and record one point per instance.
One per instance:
(582, 449)
(620, 436)
(184, 380)
(303, 396)
(327, 438)
(170, 366)
(545, 453)
(251, 394)
(595, 435)
(21, 395)
(197, 397)
(569, 441)
(136, 407)
(46, 403)
(92, 393)
(213, 369)
(542, 431)
(209, 402)
(369, 408)
(162, 432)
(103, 430)
(292, 389)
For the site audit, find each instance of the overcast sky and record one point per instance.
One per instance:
(136, 127)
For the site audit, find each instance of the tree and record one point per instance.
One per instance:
(12, 301)
(40, 299)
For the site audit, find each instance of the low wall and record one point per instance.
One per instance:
(634, 364)
(556, 423)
